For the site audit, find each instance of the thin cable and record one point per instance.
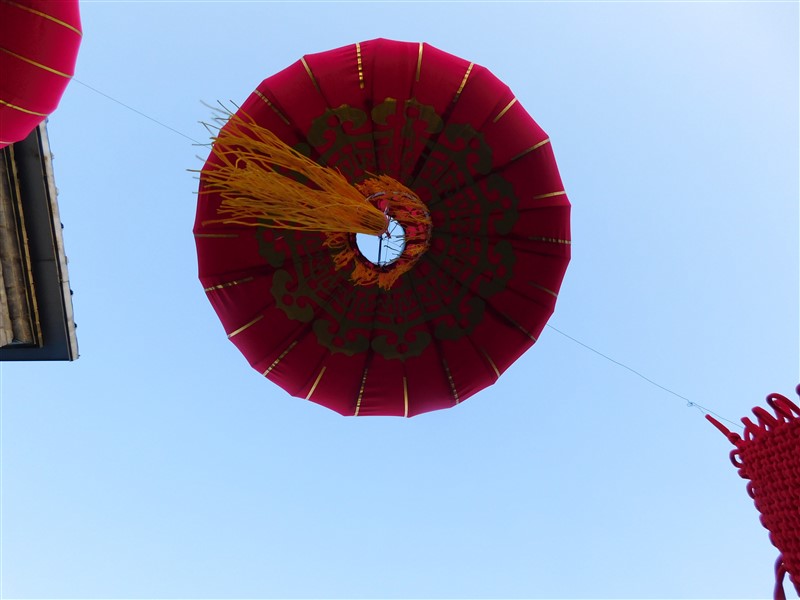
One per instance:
(689, 403)
(138, 112)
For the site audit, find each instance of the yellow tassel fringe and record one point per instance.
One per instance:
(407, 209)
(263, 181)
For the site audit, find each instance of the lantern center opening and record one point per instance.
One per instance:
(382, 250)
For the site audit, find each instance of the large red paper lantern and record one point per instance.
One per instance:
(444, 150)
(39, 42)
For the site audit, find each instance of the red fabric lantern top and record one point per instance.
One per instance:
(484, 273)
(39, 41)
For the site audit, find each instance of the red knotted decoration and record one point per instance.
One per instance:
(769, 456)
(39, 42)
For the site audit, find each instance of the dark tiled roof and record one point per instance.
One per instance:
(36, 321)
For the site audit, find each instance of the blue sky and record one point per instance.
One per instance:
(159, 465)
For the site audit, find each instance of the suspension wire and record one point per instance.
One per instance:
(689, 403)
(138, 112)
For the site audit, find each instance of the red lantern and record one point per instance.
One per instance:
(461, 184)
(39, 42)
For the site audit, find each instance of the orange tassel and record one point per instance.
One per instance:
(263, 181)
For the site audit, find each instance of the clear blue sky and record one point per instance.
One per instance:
(159, 465)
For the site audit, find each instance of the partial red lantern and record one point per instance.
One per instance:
(39, 41)
(470, 208)
(767, 454)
